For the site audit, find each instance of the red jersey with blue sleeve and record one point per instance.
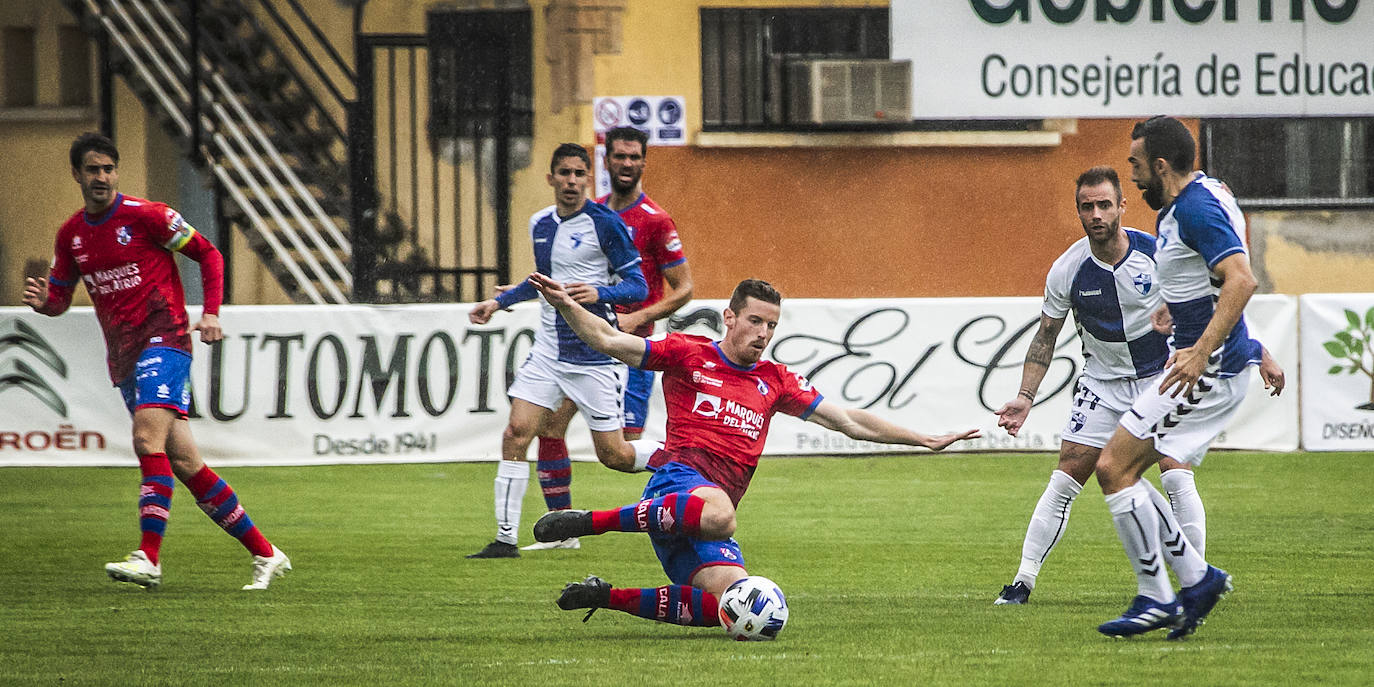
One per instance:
(125, 259)
(655, 235)
(719, 412)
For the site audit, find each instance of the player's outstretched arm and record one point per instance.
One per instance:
(598, 333)
(861, 424)
(1013, 413)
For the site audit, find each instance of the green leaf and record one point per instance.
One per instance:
(1369, 319)
(1336, 349)
(1357, 348)
(1353, 369)
(1336, 369)
(1345, 338)
(1353, 318)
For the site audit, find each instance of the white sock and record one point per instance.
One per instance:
(512, 478)
(1187, 506)
(1185, 560)
(1047, 525)
(1137, 525)
(644, 450)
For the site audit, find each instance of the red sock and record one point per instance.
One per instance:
(675, 513)
(154, 502)
(218, 500)
(677, 604)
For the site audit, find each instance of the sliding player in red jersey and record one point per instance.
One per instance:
(122, 248)
(721, 397)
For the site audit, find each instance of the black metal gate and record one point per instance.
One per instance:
(439, 122)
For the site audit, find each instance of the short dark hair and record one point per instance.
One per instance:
(628, 133)
(754, 288)
(89, 141)
(1167, 138)
(569, 150)
(1098, 175)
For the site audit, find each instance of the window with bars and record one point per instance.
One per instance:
(746, 57)
(1307, 162)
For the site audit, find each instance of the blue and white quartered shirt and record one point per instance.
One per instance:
(592, 247)
(1200, 228)
(1111, 306)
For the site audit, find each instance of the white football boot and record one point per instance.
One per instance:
(136, 569)
(265, 568)
(569, 543)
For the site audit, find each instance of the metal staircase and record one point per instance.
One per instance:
(250, 117)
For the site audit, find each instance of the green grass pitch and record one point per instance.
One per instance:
(890, 565)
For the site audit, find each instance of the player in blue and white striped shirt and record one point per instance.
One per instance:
(1205, 279)
(586, 247)
(1107, 278)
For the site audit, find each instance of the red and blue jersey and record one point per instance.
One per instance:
(125, 259)
(719, 412)
(655, 235)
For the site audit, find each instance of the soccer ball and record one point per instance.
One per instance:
(753, 610)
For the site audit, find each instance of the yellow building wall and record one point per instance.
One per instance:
(795, 212)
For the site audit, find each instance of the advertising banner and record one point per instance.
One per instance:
(1338, 371)
(306, 385)
(1129, 58)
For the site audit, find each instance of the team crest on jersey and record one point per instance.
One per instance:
(123, 236)
(76, 243)
(576, 239)
(1077, 420)
(763, 388)
(1143, 283)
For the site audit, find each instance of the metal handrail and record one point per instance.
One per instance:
(305, 53)
(170, 92)
(292, 179)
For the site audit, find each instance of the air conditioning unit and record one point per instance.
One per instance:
(849, 91)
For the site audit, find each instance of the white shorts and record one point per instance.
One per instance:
(1097, 407)
(1183, 427)
(598, 390)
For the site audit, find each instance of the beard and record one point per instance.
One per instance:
(1153, 192)
(620, 186)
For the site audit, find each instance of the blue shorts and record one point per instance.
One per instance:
(637, 388)
(161, 379)
(683, 556)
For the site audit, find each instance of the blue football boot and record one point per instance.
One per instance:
(1199, 599)
(1145, 614)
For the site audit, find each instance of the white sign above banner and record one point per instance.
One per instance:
(1132, 58)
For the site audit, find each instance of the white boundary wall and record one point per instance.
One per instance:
(299, 385)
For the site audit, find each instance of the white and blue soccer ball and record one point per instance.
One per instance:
(753, 609)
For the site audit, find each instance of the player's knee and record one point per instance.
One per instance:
(518, 433)
(717, 523)
(147, 441)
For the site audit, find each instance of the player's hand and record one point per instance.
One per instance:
(630, 321)
(582, 293)
(209, 328)
(35, 292)
(1185, 367)
(938, 443)
(481, 313)
(502, 288)
(1161, 321)
(1272, 375)
(1013, 414)
(552, 291)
